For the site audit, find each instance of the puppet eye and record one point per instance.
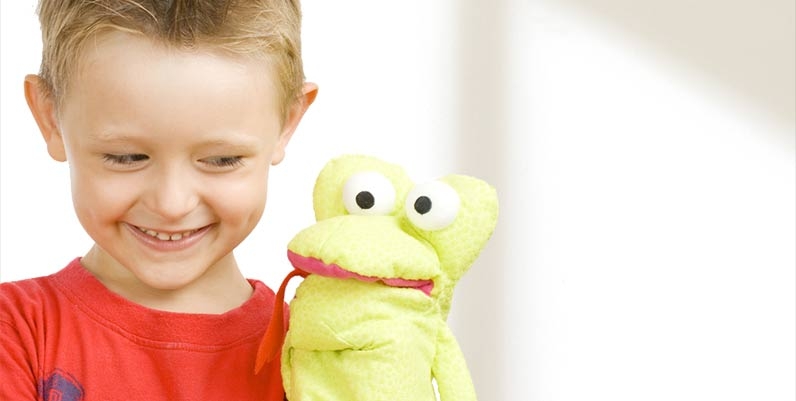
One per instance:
(369, 193)
(432, 206)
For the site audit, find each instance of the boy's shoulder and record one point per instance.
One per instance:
(28, 297)
(27, 288)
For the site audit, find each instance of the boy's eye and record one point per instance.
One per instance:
(125, 158)
(223, 161)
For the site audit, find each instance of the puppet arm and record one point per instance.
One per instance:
(450, 369)
(287, 369)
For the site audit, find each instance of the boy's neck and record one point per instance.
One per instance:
(221, 289)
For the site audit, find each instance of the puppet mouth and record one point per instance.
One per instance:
(316, 266)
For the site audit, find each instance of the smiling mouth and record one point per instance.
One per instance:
(167, 236)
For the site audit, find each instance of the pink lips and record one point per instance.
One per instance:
(315, 266)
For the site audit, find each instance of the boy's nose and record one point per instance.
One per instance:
(173, 194)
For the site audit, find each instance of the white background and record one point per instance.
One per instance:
(644, 154)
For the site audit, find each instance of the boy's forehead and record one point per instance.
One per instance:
(114, 44)
(125, 73)
(123, 54)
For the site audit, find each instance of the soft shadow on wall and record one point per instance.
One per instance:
(742, 47)
(739, 52)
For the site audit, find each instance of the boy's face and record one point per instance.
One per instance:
(169, 152)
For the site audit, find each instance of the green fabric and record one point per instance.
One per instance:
(354, 340)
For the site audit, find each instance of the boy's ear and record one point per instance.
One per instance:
(308, 93)
(42, 106)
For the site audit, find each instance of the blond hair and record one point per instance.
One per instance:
(260, 28)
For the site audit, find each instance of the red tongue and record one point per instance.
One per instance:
(275, 333)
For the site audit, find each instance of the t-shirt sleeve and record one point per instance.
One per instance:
(17, 367)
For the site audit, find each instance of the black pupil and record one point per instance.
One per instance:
(365, 200)
(423, 204)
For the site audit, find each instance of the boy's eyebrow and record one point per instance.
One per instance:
(106, 136)
(237, 141)
(234, 140)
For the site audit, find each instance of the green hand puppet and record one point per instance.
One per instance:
(368, 323)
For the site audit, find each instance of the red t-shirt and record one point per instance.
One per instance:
(66, 337)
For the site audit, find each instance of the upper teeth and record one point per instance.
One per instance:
(165, 236)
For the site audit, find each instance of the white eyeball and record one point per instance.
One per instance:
(432, 206)
(369, 193)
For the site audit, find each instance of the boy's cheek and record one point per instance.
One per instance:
(102, 193)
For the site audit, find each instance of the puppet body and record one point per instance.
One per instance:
(376, 342)
(368, 323)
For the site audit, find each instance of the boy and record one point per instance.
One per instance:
(169, 114)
